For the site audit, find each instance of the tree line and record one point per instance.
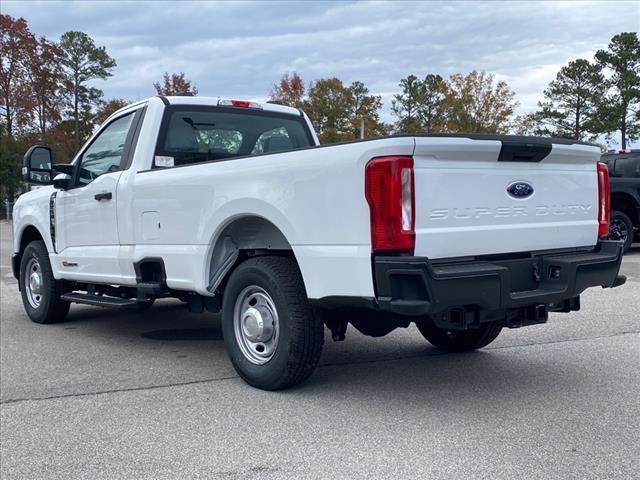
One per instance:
(45, 94)
(48, 94)
(474, 102)
(592, 98)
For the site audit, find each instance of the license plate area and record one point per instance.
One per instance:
(524, 274)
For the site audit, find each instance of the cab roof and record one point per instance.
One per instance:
(216, 101)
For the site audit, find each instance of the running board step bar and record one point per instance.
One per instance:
(99, 300)
(154, 288)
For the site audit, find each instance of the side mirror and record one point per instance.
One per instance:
(38, 165)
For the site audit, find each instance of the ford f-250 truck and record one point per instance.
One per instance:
(234, 207)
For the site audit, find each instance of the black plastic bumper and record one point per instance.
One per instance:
(418, 286)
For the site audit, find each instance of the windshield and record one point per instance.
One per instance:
(200, 134)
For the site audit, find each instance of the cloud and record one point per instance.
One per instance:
(241, 48)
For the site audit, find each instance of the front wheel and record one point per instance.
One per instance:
(272, 337)
(40, 290)
(460, 340)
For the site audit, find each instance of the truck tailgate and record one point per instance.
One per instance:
(472, 200)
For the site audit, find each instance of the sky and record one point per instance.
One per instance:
(239, 49)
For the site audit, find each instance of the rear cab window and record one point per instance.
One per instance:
(195, 134)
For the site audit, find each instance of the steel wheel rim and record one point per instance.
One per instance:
(618, 230)
(33, 282)
(256, 325)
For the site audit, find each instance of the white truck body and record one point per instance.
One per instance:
(472, 198)
(316, 198)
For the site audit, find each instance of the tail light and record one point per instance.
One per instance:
(389, 188)
(604, 211)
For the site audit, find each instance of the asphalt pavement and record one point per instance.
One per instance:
(112, 395)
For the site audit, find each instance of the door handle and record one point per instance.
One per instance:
(103, 196)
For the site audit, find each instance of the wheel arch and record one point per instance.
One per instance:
(241, 237)
(27, 235)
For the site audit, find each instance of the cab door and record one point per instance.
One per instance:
(88, 241)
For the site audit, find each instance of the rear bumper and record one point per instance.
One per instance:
(418, 286)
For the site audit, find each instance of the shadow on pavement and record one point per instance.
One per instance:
(184, 334)
(449, 382)
(375, 373)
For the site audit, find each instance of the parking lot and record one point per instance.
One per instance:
(121, 395)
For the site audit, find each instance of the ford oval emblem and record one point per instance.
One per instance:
(520, 190)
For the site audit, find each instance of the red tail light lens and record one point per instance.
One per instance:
(241, 103)
(389, 188)
(604, 210)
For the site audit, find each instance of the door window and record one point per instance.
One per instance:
(104, 155)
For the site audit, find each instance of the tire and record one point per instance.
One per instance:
(621, 228)
(41, 297)
(460, 340)
(285, 350)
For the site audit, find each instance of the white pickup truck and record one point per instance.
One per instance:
(234, 207)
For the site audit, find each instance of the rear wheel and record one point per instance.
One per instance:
(271, 335)
(460, 340)
(621, 229)
(40, 290)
